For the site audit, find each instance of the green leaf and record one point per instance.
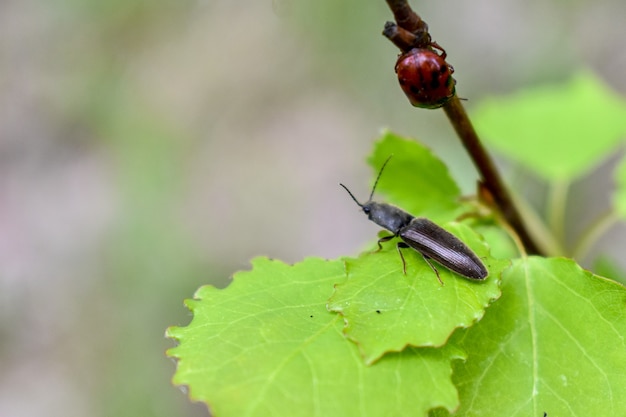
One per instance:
(386, 310)
(554, 342)
(267, 346)
(500, 243)
(607, 267)
(415, 179)
(560, 132)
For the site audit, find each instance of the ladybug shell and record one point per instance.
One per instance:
(425, 78)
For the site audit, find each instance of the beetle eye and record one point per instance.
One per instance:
(366, 210)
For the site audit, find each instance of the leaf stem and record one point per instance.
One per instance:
(594, 232)
(548, 245)
(487, 169)
(557, 201)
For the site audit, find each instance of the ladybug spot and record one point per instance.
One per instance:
(414, 89)
(434, 83)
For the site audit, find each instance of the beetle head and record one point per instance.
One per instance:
(384, 215)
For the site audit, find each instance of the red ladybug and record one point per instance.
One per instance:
(425, 78)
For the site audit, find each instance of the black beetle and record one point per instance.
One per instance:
(421, 234)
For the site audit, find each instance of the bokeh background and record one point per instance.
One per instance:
(150, 147)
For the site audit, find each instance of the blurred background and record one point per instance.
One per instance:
(151, 147)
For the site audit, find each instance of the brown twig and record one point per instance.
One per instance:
(410, 31)
(409, 21)
(490, 176)
(406, 17)
(400, 37)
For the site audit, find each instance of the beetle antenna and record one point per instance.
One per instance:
(353, 197)
(377, 178)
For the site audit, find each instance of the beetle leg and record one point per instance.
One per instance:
(435, 45)
(427, 259)
(382, 240)
(399, 246)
